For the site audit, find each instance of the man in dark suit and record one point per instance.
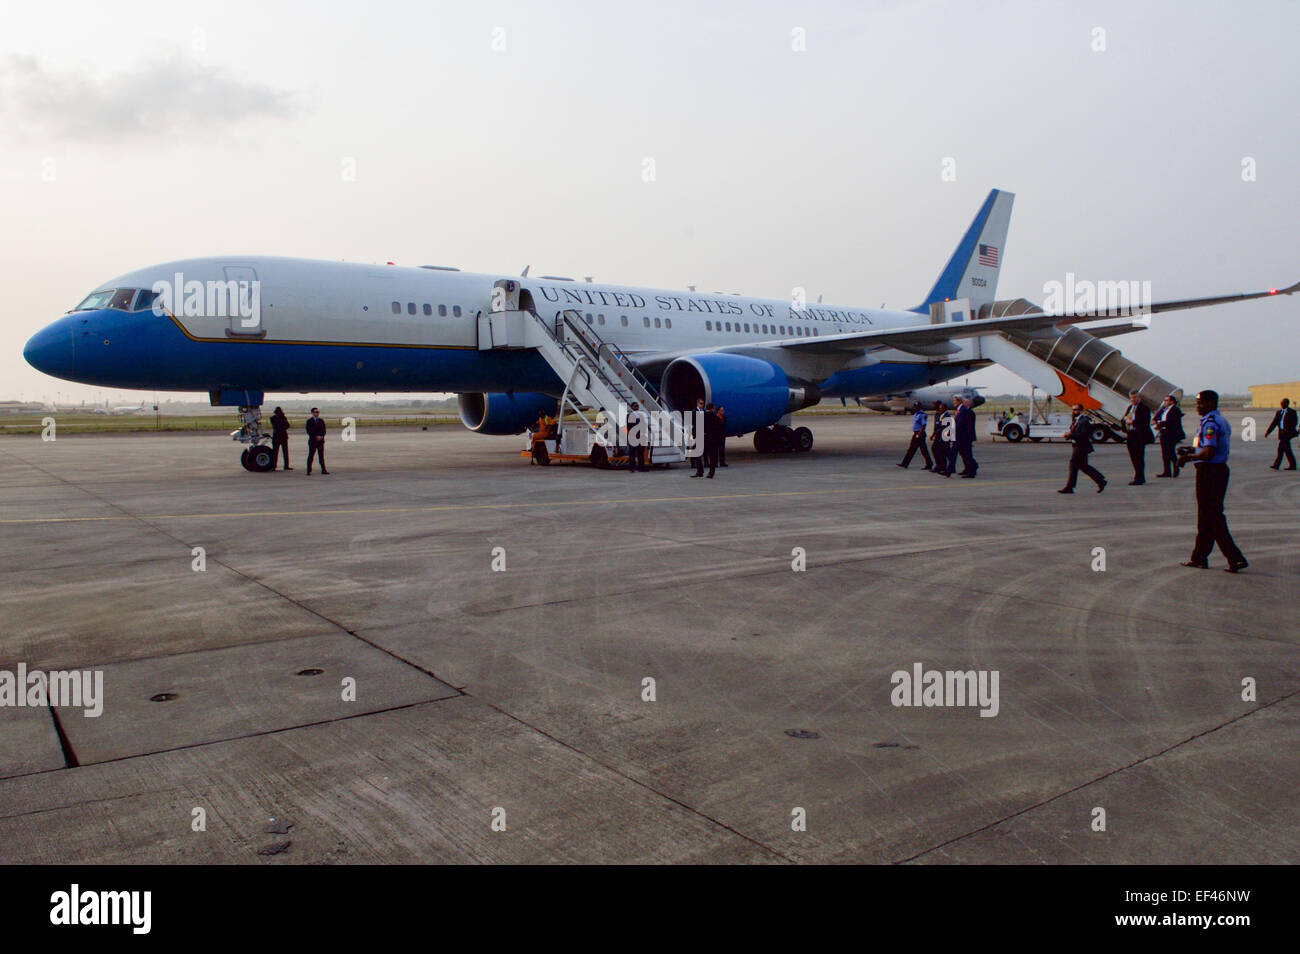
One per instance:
(316, 440)
(1080, 433)
(636, 439)
(1137, 421)
(713, 438)
(722, 438)
(1169, 422)
(964, 441)
(1284, 421)
(938, 443)
(280, 436)
(697, 462)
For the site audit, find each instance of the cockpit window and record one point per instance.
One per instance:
(122, 299)
(119, 298)
(95, 300)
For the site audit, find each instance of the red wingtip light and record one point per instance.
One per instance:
(390, 263)
(1272, 291)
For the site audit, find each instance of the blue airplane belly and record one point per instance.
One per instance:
(142, 351)
(888, 378)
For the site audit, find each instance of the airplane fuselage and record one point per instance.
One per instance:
(337, 326)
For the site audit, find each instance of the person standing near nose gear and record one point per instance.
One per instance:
(280, 436)
(316, 440)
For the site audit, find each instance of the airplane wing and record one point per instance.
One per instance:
(934, 340)
(922, 339)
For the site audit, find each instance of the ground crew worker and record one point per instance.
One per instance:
(316, 440)
(1210, 455)
(635, 440)
(918, 439)
(280, 436)
(938, 442)
(1285, 423)
(1080, 433)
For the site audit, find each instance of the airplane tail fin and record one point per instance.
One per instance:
(972, 272)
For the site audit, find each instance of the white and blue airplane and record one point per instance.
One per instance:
(301, 325)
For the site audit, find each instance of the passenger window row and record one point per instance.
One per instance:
(426, 308)
(600, 320)
(782, 331)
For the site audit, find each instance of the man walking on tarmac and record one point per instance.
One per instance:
(1080, 433)
(1284, 421)
(1210, 455)
(918, 439)
(964, 444)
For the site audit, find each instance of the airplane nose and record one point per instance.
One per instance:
(51, 350)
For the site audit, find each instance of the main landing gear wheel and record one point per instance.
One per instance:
(243, 459)
(779, 439)
(260, 459)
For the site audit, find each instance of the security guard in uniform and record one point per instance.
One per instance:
(1210, 455)
(918, 439)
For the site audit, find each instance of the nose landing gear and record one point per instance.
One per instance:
(259, 456)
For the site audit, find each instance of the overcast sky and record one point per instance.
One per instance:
(136, 133)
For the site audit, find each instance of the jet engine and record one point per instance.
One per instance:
(504, 413)
(755, 393)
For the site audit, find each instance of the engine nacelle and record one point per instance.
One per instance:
(504, 413)
(755, 393)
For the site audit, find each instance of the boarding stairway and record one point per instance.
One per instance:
(1069, 363)
(597, 376)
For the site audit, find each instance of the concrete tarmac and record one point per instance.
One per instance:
(349, 679)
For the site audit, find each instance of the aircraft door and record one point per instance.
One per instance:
(243, 302)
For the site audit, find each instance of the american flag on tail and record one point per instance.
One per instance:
(989, 255)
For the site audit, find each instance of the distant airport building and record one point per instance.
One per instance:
(1271, 395)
